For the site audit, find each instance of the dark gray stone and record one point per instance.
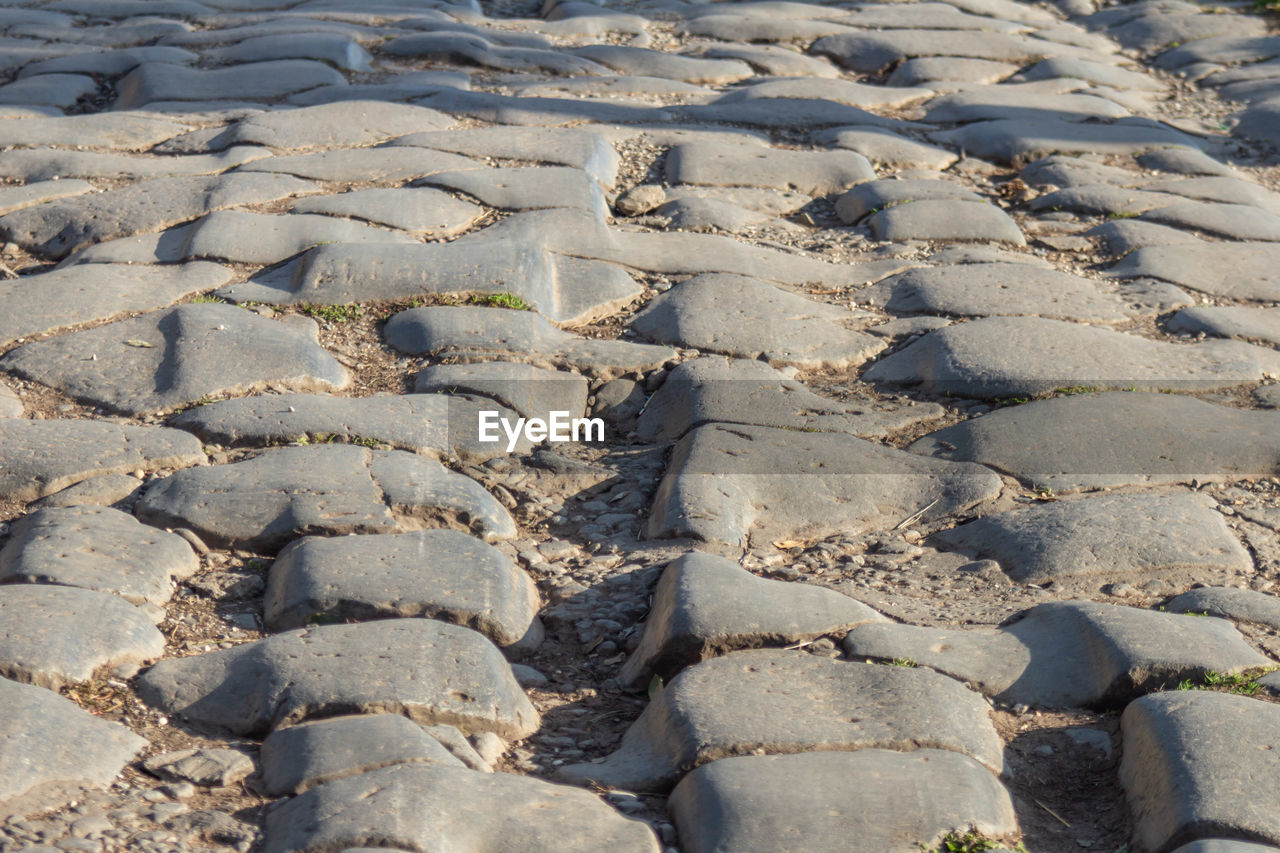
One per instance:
(747, 391)
(1230, 321)
(762, 702)
(297, 758)
(886, 148)
(945, 220)
(872, 52)
(533, 392)
(1017, 141)
(1075, 654)
(348, 124)
(1244, 271)
(811, 172)
(464, 333)
(429, 671)
(430, 424)
(209, 767)
(706, 605)
(654, 63)
(1121, 536)
(75, 748)
(438, 574)
(53, 166)
(166, 359)
(283, 494)
(564, 289)
(871, 197)
(40, 457)
(117, 131)
(728, 483)
(747, 318)
(421, 210)
(51, 636)
(525, 188)
(1191, 764)
(822, 801)
(162, 81)
(1151, 438)
(60, 227)
(81, 294)
(1240, 605)
(577, 147)
(383, 163)
(96, 548)
(1009, 356)
(979, 290)
(419, 805)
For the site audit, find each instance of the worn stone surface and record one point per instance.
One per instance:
(706, 605)
(1261, 324)
(96, 548)
(747, 391)
(1191, 763)
(1068, 654)
(1011, 356)
(766, 702)
(534, 392)
(982, 290)
(431, 672)
(748, 318)
(1152, 438)
(41, 457)
(60, 227)
(945, 220)
(564, 289)
(1243, 271)
(430, 424)
(211, 768)
(56, 635)
(470, 333)
(1241, 605)
(63, 297)
(730, 483)
(283, 494)
(418, 209)
(162, 360)
(162, 81)
(297, 758)
(1120, 536)
(348, 124)
(422, 805)
(50, 747)
(439, 574)
(821, 801)
(813, 173)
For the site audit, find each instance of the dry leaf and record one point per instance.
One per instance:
(788, 544)
(134, 342)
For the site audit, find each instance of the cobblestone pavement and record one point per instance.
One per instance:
(919, 358)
